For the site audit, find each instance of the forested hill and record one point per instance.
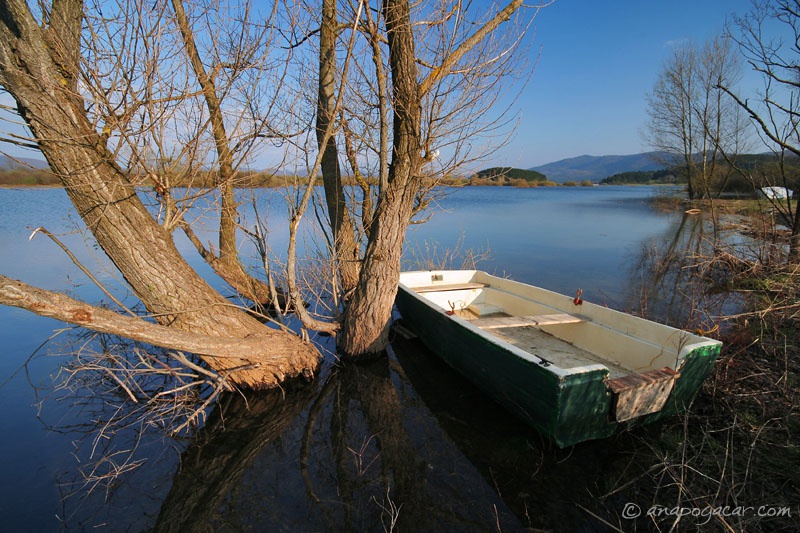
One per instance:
(642, 177)
(510, 174)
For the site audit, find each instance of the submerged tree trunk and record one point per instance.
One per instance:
(260, 352)
(37, 75)
(365, 330)
(366, 324)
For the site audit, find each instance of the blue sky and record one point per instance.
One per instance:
(598, 61)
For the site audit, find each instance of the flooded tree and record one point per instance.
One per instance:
(774, 110)
(435, 73)
(345, 247)
(147, 114)
(81, 127)
(692, 119)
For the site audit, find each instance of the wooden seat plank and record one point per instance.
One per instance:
(449, 287)
(525, 321)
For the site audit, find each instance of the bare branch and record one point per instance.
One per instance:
(452, 60)
(225, 354)
(80, 266)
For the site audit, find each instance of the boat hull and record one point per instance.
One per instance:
(566, 406)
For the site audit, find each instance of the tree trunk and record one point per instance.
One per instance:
(345, 247)
(366, 321)
(107, 202)
(260, 351)
(227, 264)
(794, 238)
(365, 328)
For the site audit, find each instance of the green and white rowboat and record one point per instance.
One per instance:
(572, 369)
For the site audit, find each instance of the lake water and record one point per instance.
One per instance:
(345, 451)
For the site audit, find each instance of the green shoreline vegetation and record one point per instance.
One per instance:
(27, 177)
(751, 171)
(643, 177)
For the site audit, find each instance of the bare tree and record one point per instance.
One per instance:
(40, 66)
(769, 38)
(692, 120)
(185, 101)
(406, 119)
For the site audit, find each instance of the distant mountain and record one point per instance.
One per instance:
(11, 163)
(596, 168)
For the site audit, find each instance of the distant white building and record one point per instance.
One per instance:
(775, 193)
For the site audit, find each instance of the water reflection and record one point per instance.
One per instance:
(402, 442)
(546, 487)
(670, 280)
(358, 453)
(213, 465)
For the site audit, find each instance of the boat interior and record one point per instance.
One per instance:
(526, 332)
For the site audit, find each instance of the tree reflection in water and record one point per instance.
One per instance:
(239, 430)
(401, 441)
(679, 278)
(360, 452)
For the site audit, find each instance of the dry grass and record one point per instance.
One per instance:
(731, 462)
(432, 256)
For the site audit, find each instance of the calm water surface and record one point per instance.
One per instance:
(347, 450)
(557, 238)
